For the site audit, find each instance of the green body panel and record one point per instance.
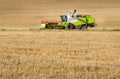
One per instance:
(64, 24)
(90, 19)
(80, 21)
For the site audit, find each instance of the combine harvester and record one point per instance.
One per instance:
(70, 21)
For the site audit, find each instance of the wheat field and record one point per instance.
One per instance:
(59, 54)
(27, 52)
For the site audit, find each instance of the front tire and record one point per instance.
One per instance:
(84, 27)
(71, 26)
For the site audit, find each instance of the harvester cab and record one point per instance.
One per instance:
(69, 16)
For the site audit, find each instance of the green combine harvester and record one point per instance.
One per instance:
(70, 21)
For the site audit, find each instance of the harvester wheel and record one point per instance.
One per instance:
(70, 26)
(84, 27)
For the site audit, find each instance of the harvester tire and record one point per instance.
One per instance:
(71, 26)
(84, 27)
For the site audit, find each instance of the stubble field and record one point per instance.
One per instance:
(26, 52)
(59, 55)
